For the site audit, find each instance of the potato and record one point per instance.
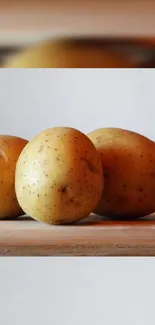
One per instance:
(59, 177)
(68, 53)
(128, 161)
(10, 149)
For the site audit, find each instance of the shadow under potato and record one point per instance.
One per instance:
(91, 220)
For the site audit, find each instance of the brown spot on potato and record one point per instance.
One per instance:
(63, 189)
(90, 166)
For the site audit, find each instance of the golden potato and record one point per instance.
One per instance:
(68, 53)
(59, 177)
(128, 161)
(10, 149)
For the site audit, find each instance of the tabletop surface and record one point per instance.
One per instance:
(90, 237)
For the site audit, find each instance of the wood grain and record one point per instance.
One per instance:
(91, 237)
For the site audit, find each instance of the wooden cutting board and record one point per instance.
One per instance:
(90, 237)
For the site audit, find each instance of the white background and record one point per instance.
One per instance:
(82, 290)
(31, 100)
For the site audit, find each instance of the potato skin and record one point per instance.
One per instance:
(10, 149)
(128, 161)
(59, 177)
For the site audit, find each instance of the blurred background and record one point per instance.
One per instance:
(63, 33)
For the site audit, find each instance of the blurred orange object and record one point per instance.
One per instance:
(69, 53)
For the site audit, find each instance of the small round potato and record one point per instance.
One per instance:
(59, 177)
(128, 161)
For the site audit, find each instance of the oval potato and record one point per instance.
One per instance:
(128, 161)
(59, 177)
(10, 149)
